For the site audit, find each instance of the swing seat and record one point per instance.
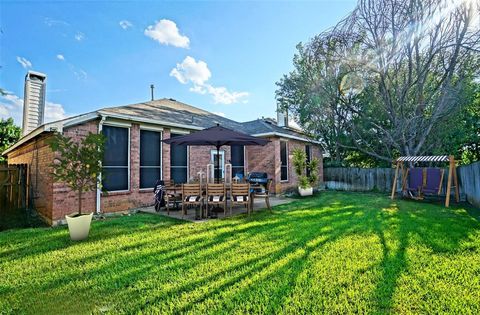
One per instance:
(415, 183)
(434, 181)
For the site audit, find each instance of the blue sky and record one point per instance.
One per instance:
(224, 57)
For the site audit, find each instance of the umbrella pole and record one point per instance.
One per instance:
(213, 214)
(218, 164)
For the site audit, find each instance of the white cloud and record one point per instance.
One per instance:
(80, 74)
(197, 73)
(191, 71)
(79, 36)
(54, 111)
(52, 22)
(166, 32)
(222, 96)
(125, 24)
(12, 106)
(24, 62)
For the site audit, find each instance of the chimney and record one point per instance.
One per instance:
(33, 101)
(282, 117)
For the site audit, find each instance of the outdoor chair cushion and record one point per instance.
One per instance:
(434, 179)
(192, 198)
(415, 179)
(240, 198)
(215, 198)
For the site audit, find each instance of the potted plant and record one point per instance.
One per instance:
(77, 164)
(306, 180)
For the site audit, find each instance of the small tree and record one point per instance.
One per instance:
(9, 134)
(300, 166)
(78, 164)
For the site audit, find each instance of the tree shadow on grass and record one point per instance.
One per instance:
(18, 244)
(219, 266)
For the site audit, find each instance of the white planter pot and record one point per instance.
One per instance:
(79, 227)
(305, 192)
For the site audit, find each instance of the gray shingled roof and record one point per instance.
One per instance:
(262, 126)
(172, 111)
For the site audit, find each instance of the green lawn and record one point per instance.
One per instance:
(336, 253)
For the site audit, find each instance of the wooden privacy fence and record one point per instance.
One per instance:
(380, 179)
(360, 179)
(13, 187)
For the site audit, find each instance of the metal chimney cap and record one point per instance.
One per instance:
(35, 73)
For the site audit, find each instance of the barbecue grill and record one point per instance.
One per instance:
(258, 181)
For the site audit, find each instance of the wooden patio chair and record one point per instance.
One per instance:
(191, 196)
(216, 195)
(264, 194)
(240, 195)
(173, 194)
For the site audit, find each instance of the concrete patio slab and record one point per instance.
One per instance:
(259, 204)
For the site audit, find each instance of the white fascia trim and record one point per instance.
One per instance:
(179, 131)
(81, 119)
(50, 127)
(115, 123)
(149, 121)
(151, 128)
(283, 135)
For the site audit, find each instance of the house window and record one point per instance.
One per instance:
(178, 162)
(237, 153)
(150, 158)
(308, 153)
(284, 160)
(116, 166)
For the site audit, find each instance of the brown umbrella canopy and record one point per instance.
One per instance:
(216, 136)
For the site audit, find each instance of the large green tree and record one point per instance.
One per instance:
(398, 74)
(9, 134)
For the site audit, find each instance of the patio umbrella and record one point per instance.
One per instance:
(216, 136)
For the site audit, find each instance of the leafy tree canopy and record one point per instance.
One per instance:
(78, 164)
(393, 78)
(9, 134)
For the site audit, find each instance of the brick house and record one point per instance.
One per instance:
(135, 157)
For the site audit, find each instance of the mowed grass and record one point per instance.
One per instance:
(334, 253)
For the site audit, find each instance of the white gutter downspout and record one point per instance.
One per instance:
(99, 190)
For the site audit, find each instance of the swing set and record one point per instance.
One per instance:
(418, 182)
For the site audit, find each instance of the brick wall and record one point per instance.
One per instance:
(166, 156)
(65, 200)
(200, 157)
(38, 156)
(267, 159)
(54, 200)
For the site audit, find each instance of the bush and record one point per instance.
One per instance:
(300, 166)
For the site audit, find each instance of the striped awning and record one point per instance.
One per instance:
(432, 158)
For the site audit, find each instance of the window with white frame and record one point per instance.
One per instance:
(178, 162)
(150, 158)
(237, 159)
(116, 167)
(284, 160)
